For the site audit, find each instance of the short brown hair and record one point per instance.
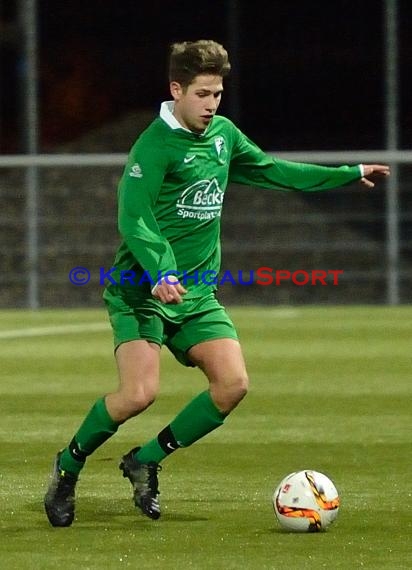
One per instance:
(189, 59)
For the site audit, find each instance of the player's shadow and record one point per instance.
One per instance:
(101, 511)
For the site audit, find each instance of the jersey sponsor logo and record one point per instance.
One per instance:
(188, 159)
(136, 171)
(202, 200)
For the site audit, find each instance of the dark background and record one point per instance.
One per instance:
(306, 75)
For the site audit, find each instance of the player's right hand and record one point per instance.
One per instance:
(169, 290)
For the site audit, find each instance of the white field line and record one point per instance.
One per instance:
(54, 330)
(97, 327)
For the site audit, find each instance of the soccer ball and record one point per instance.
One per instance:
(306, 501)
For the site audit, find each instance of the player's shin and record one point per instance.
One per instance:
(97, 427)
(197, 419)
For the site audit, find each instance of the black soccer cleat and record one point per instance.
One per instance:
(143, 477)
(59, 499)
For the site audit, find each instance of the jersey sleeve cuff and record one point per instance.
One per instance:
(153, 289)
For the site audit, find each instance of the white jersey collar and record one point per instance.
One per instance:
(166, 113)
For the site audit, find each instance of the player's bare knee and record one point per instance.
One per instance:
(227, 395)
(241, 388)
(134, 404)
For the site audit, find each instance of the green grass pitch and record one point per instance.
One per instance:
(330, 390)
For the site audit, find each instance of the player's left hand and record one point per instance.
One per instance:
(373, 171)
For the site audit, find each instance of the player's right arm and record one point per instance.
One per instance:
(169, 290)
(138, 190)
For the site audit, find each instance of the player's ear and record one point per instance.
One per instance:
(176, 90)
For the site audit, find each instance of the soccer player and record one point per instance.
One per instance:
(170, 200)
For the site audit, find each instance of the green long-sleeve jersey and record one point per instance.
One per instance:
(170, 196)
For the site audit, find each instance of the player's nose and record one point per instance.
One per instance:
(211, 105)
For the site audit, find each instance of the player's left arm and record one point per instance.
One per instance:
(250, 165)
(372, 172)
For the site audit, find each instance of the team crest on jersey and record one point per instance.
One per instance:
(221, 149)
(136, 171)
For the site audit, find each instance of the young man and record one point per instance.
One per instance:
(170, 200)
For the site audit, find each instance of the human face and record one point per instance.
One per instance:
(196, 104)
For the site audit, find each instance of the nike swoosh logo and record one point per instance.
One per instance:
(170, 446)
(188, 159)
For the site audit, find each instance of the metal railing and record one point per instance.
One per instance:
(33, 163)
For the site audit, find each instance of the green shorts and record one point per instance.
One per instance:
(179, 327)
